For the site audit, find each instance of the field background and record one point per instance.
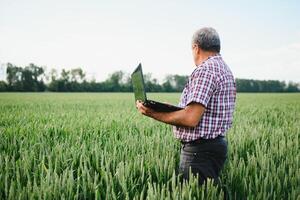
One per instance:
(96, 146)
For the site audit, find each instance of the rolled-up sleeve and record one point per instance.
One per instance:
(201, 87)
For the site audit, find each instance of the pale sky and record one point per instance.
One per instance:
(259, 39)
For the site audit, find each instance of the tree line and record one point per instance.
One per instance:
(33, 78)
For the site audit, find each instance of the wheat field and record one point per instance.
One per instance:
(97, 146)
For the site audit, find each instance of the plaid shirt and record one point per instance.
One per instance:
(212, 85)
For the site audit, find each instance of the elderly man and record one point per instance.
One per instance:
(208, 100)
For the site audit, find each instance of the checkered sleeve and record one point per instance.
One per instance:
(201, 87)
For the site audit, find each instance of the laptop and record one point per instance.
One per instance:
(138, 84)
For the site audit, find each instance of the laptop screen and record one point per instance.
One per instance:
(138, 84)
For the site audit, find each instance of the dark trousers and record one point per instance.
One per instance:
(205, 158)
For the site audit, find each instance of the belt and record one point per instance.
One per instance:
(203, 140)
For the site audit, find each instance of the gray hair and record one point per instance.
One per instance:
(207, 39)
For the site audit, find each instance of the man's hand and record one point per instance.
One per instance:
(143, 109)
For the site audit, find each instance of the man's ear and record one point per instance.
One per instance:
(198, 50)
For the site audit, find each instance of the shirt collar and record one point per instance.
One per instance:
(217, 55)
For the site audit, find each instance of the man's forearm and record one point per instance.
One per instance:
(176, 118)
(189, 116)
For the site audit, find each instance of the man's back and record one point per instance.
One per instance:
(212, 85)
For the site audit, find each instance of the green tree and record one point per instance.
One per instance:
(3, 86)
(14, 77)
(292, 87)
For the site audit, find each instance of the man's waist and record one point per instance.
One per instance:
(203, 140)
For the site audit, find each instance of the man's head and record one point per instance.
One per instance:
(205, 42)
